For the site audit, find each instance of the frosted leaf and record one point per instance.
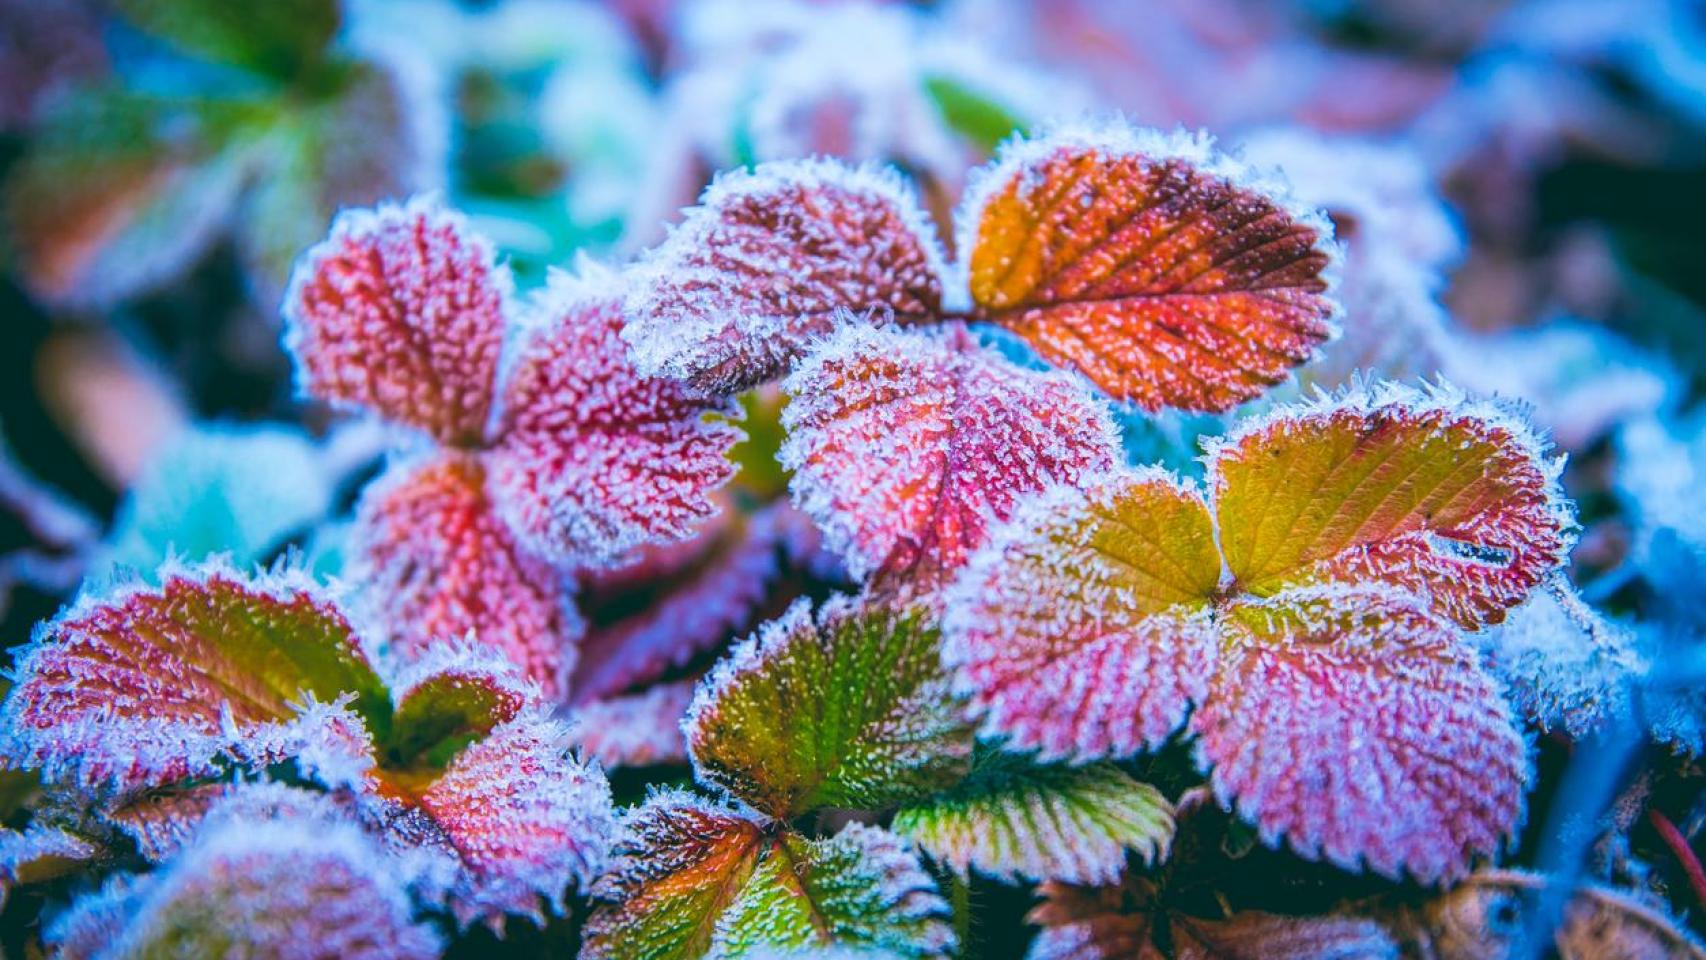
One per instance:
(736, 570)
(401, 310)
(1483, 917)
(906, 446)
(239, 490)
(693, 879)
(679, 864)
(164, 822)
(1167, 273)
(1354, 723)
(1565, 666)
(39, 853)
(290, 889)
(637, 730)
(1081, 628)
(1014, 819)
(771, 260)
(436, 563)
(847, 708)
(144, 686)
(527, 820)
(1450, 497)
(452, 697)
(1120, 923)
(593, 459)
(862, 887)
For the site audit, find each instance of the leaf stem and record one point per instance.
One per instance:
(959, 897)
(1679, 846)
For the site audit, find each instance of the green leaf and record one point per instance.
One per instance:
(454, 697)
(849, 709)
(1013, 818)
(862, 887)
(694, 879)
(276, 37)
(973, 115)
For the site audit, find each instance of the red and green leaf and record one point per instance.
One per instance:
(401, 311)
(774, 259)
(148, 686)
(906, 446)
(1451, 498)
(693, 879)
(848, 708)
(1082, 629)
(1355, 723)
(1168, 274)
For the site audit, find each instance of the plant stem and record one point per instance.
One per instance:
(959, 895)
(1678, 844)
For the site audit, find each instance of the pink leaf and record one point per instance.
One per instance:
(289, 888)
(1354, 723)
(401, 310)
(637, 730)
(908, 445)
(773, 259)
(527, 821)
(593, 459)
(437, 564)
(1081, 629)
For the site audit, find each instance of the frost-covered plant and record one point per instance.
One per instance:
(146, 705)
(542, 449)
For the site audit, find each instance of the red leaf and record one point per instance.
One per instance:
(1356, 724)
(1167, 273)
(593, 459)
(436, 564)
(401, 310)
(906, 446)
(773, 259)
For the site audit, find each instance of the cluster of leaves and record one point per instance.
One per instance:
(1038, 626)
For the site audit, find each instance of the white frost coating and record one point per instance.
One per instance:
(1661, 471)
(1116, 137)
(1383, 398)
(588, 281)
(976, 414)
(287, 887)
(19, 850)
(361, 224)
(635, 730)
(1566, 666)
(677, 346)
